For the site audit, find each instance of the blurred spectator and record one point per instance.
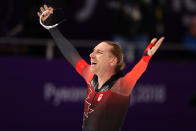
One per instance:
(177, 15)
(190, 37)
(136, 23)
(6, 12)
(85, 19)
(13, 14)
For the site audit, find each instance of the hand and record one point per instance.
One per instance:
(154, 45)
(44, 8)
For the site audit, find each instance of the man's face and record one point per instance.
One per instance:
(101, 58)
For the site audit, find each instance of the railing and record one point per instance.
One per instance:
(49, 44)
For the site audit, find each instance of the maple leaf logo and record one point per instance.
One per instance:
(90, 110)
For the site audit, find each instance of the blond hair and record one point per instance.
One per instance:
(117, 52)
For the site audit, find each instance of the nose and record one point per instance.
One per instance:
(92, 55)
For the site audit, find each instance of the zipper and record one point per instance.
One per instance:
(93, 98)
(95, 89)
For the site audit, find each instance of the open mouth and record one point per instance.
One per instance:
(93, 63)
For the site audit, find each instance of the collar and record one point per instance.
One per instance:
(108, 84)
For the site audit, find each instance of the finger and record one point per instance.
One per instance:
(157, 45)
(159, 42)
(42, 9)
(44, 18)
(45, 7)
(38, 13)
(51, 10)
(151, 44)
(153, 40)
(153, 50)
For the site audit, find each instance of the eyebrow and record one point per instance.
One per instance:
(98, 50)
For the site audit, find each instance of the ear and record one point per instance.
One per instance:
(114, 61)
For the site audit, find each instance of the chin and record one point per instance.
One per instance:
(92, 70)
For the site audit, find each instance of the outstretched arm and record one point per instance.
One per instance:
(66, 48)
(131, 78)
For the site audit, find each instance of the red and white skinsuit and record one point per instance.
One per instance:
(105, 108)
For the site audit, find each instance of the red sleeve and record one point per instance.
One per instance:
(146, 57)
(83, 69)
(130, 79)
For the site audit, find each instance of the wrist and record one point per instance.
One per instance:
(146, 58)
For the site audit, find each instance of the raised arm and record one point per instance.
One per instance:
(66, 48)
(131, 78)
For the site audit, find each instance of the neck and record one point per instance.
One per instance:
(103, 77)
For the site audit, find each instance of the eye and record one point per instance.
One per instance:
(99, 52)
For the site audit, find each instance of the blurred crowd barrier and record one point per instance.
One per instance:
(46, 48)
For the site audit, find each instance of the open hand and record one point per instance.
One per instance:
(154, 45)
(44, 8)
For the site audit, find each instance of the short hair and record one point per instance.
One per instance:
(118, 53)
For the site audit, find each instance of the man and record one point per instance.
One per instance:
(108, 93)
